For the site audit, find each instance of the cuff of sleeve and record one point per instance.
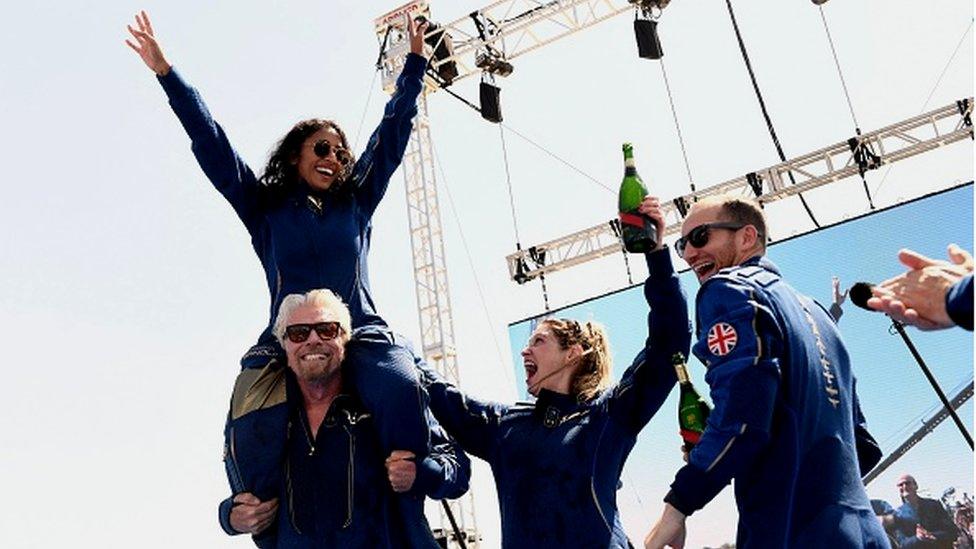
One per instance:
(172, 81)
(223, 515)
(415, 65)
(959, 303)
(430, 478)
(692, 489)
(836, 311)
(659, 266)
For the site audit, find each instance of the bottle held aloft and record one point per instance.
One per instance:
(639, 232)
(692, 409)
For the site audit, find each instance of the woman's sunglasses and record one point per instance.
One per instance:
(698, 236)
(322, 148)
(298, 333)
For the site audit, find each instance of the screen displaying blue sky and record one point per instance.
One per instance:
(895, 395)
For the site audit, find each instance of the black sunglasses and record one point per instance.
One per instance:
(298, 333)
(698, 236)
(322, 148)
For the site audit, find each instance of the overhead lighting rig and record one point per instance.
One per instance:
(645, 27)
(492, 63)
(442, 50)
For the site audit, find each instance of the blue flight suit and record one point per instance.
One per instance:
(786, 425)
(337, 495)
(557, 462)
(306, 244)
(959, 303)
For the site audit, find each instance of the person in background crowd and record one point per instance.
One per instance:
(836, 310)
(921, 522)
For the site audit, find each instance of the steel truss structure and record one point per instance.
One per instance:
(430, 274)
(855, 156)
(509, 28)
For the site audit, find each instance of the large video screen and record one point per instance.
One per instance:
(895, 396)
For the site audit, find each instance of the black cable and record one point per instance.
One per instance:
(457, 531)
(762, 106)
(850, 105)
(432, 74)
(379, 58)
(900, 328)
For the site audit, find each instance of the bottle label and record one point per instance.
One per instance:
(635, 220)
(691, 437)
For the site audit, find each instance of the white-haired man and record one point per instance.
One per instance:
(303, 454)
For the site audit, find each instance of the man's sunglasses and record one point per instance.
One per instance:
(298, 333)
(698, 236)
(322, 148)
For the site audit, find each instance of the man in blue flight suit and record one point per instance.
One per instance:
(786, 425)
(300, 435)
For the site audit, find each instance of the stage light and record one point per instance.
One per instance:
(490, 95)
(645, 27)
(493, 63)
(443, 48)
(648, 43)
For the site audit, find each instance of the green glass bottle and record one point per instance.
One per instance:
(692, 409)
(639, 232)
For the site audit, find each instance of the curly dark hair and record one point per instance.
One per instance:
(281, 175)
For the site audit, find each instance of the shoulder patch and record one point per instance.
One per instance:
(722, 338)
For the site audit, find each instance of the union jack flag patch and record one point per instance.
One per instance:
(722, 339)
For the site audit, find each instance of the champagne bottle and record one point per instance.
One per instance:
(639, 232)
(692, 409)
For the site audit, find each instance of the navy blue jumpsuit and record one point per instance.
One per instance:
(332, 490)
(959, 303)
(557, 462)
(303, 247)
(787, 425)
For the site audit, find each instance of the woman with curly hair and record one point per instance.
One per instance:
(557, 461)
(309, 219)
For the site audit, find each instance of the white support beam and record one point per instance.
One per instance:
(899, 141)
(430, 275)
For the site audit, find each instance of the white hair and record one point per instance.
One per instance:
(322, 298)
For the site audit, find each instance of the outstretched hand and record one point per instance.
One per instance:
(146, 45)
(415, 32)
